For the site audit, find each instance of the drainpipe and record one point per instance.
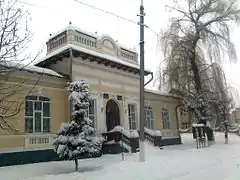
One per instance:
(149, 79)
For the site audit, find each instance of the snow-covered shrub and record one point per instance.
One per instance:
(77, 138)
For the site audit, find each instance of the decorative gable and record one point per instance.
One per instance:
(109, 46)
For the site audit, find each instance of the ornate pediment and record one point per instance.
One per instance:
(109, 46)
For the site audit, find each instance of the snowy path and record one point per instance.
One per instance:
(183, 162)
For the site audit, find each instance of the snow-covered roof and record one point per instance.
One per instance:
(159, 93)
(29, 67)
(91, 52)
(95, 35)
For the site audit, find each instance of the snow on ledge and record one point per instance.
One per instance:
(198, 125)
(91, 52)
(29, 67)
(153, 132)
(130, 133)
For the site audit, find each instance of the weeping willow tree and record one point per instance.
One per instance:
(194, 45)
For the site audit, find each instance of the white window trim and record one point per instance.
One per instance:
(135, 113)
(163, 119)
(95, 112)
(151, 117)
(33, 116)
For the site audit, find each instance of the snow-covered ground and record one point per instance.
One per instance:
(217, 162)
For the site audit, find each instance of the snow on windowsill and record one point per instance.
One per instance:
(130, 133)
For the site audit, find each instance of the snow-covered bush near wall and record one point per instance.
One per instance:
(77, 138)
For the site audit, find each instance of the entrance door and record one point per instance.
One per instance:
(112, 115)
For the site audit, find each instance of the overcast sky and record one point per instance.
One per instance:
(49, 16)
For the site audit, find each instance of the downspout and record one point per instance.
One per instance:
(149, 79)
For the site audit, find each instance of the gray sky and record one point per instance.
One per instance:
(49, 16)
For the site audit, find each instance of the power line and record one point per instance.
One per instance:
(105, 11)
(115, 15)
(98, 9)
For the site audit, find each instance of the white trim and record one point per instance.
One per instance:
(135, 114)
(38, 111)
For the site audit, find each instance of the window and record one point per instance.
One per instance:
(165, 118)
(37, 114)
(149, 119)
(92, 112)
(132, 116)
(105, 96)
(119, 98)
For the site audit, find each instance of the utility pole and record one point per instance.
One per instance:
(142, 119)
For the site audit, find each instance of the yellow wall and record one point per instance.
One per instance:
(58, 108)
(157, 102)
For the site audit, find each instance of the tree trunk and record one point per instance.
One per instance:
(196, 75)
(76, 164)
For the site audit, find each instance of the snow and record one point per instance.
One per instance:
(160, 93)
(153, 132)
(198, 125)
(78, 136)
(29, 67)
(182, 162)
(95, 35)
(94, 53)
(130, 133)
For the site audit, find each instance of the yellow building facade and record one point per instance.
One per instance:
(112, 72)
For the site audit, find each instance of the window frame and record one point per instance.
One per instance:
(33, 100)
(130, 120)
(94, 113)
(149, 117)
(166, 123)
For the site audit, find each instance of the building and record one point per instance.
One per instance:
(112, 72)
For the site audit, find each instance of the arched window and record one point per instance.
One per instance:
(37, 114)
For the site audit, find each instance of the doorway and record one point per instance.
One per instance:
(112, 115)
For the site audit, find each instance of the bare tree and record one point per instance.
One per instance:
(196, 40)
(14, 39)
